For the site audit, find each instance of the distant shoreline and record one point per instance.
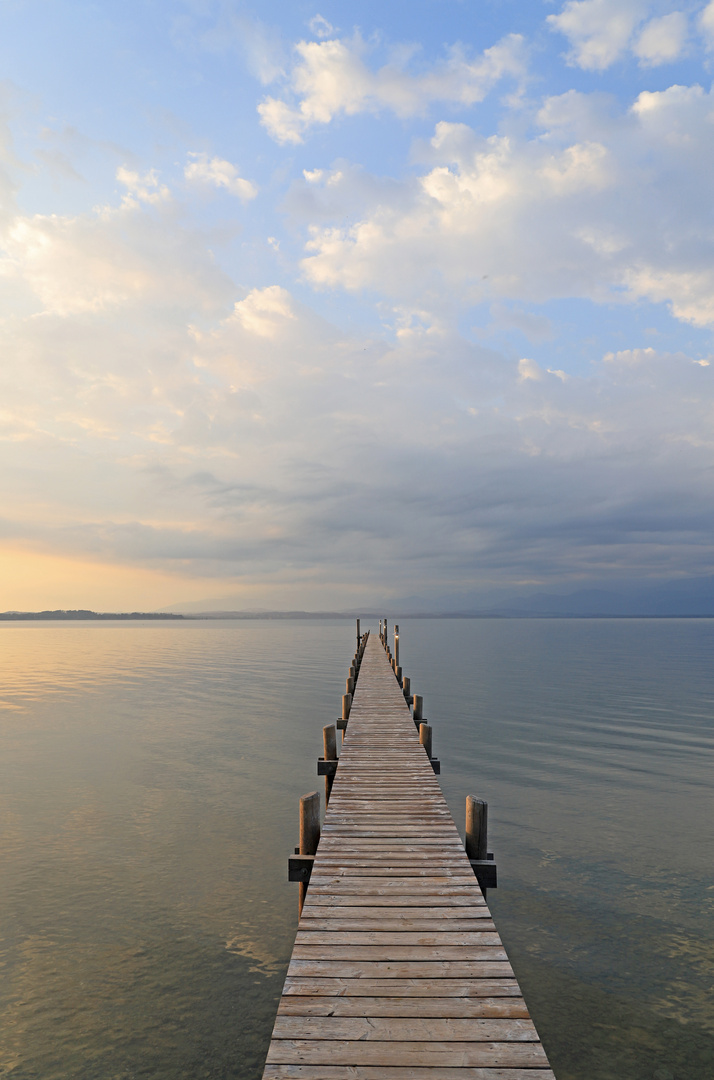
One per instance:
(61, 615)
(80, 615)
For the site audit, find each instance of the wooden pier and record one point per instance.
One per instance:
(397, 971)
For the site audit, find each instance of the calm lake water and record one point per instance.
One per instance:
(149, 779)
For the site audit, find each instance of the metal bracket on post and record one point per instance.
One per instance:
(326, 767)
(485, 871)
(436, 765)
(300, 867)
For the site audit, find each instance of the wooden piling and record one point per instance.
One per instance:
(309, 835)
(329, 741)
(476, 828)
(396, 644)
(418, 704)
(406, 686)
(425, 738)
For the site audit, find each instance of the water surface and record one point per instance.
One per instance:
(149, 779)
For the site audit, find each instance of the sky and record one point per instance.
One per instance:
(334, 306)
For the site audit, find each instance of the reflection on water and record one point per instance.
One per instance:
(149, 778)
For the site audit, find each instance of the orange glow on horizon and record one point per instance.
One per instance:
(34, 580)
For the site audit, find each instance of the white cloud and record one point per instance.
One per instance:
(568, 212)
(216, 172)
(320, 27)
(630, 356)
(528, 369)
(599, 31)
(706, 25)
(331, 78)
(662, 40)
(264, 312)
(142, 189)
(114, 256)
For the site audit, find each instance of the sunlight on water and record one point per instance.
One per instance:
(149, 779)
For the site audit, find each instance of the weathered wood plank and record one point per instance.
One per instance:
(307, 935)
(381, 1072)
(453, 1054)
(401, 969)
(453, 1007)
(327, 897)
(404, 1029)
(488, 986)
(383, 922)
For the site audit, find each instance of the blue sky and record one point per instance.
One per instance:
(317, 306)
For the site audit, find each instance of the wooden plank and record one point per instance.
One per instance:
(454, 1007)
(381, 1072)
(377, 886)
(310, 936)
(400, 969)
(385, 923)
(321, 897)
(493, 986)
(404, 1029)
(453, 1054)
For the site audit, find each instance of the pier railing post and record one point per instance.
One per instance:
(309, 835)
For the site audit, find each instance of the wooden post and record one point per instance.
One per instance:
(353, 672)
(425, 738)
(418, 705)
(396, 644)
(346, 706)
(398, 673)
(406, 686)
(350, 685)
(329, 742)
(359, 636)
(476, 828)
(309, 835)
